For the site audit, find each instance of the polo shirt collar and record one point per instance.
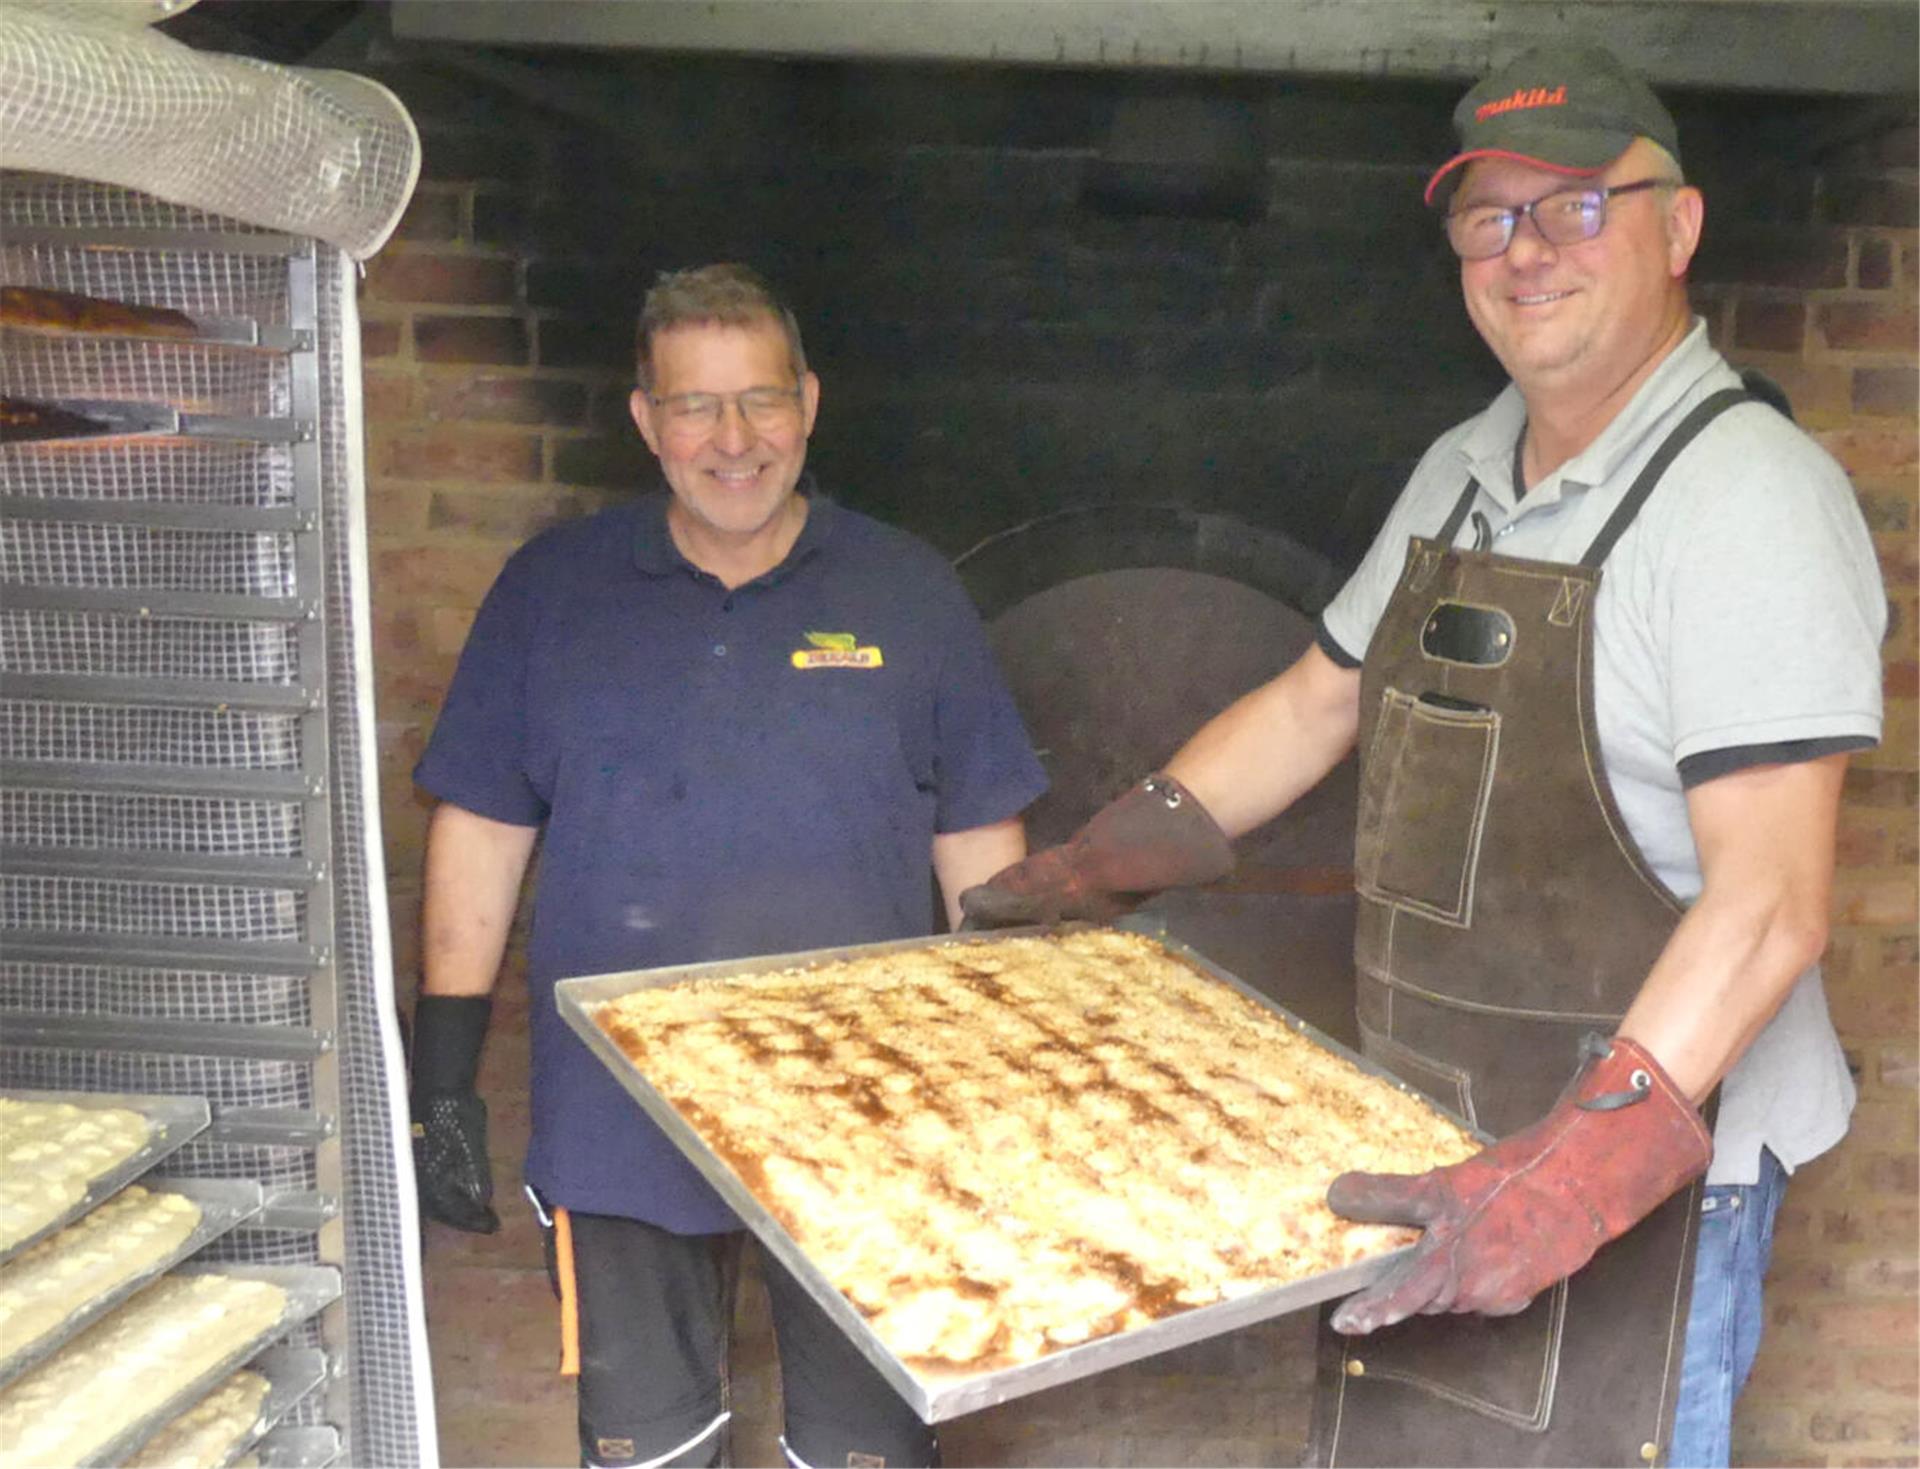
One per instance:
(655, 553)
(1487, 450)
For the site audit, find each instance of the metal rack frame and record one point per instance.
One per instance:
(316, 1211)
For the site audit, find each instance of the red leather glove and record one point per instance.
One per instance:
(1155, 836)
(1533, 1208)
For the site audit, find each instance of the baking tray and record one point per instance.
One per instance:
(174, 1119)
(309, 1288)
(223, 1204)
(937, 1397)
(299, 1448)
(291, 1373)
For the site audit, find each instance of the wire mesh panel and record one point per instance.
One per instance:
(207, 825)
(187, 898)
(217, 739)
(175, 649)
(187, 376)
(263, 1247)
(226, 1082)
(90, 989)
(147, 558)
(202, 286)
(391, 1402)
(178, 471)
(177, 910)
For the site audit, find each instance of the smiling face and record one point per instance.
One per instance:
(733, 480)
(1590, 319)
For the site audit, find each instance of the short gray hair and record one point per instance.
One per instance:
(712, 295)
(1669, 165)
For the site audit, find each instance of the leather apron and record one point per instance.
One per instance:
(1504, 911)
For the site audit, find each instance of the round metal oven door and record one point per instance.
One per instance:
(1121, 630)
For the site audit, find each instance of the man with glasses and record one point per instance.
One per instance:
(742, 720)
(1603, 667)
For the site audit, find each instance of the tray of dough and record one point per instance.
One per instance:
(62, 1285)
(61, 1153)
(1002, 1162)
(240, 1410)
(112, 1387)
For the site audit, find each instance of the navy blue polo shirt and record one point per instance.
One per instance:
(719, 774)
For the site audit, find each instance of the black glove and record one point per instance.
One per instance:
(449, 1119)
(1155, 836)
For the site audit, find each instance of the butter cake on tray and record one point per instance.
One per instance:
(50, 1152)
(130, 1233)
(128, 1365)
(205, 1435)
(996, 1149)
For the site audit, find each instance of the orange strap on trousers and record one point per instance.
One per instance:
(569, 1294)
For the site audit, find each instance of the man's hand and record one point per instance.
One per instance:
(1530, 1210)
(1155, 836)
(449, 1119)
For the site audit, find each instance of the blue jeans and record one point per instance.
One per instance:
(1724, 1320)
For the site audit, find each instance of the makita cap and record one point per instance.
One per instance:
(1572, 109)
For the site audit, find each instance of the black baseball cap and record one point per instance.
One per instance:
(1572, 109)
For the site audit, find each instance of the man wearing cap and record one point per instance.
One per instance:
(1604, 666)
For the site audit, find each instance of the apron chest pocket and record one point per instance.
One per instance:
(1423, 804)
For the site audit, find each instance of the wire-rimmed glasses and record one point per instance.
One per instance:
(700, 413)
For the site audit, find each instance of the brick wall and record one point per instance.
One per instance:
(991, 348)
(1814, 283)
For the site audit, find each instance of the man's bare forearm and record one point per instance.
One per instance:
(1268, 748)
(474, 869)
(963, 858)
(1766, 840)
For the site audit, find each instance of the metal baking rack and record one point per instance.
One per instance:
(175, 1120)
(182, 328)
(208, 430)
(937, 1397)
(79, 420)
(309, 1288)
(223, 1204)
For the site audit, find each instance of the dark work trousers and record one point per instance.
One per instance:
(654, 1311)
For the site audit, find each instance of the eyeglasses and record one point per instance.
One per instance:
(1564, 217)
(700, 413)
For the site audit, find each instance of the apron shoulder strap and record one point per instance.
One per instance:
(1684, 433)
(1459, 516)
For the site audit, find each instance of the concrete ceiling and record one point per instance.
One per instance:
(1834, 47)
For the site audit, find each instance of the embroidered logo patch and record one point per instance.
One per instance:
(836, 650)
(1522, 99)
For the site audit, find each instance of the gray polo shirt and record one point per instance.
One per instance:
(1742, 609)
